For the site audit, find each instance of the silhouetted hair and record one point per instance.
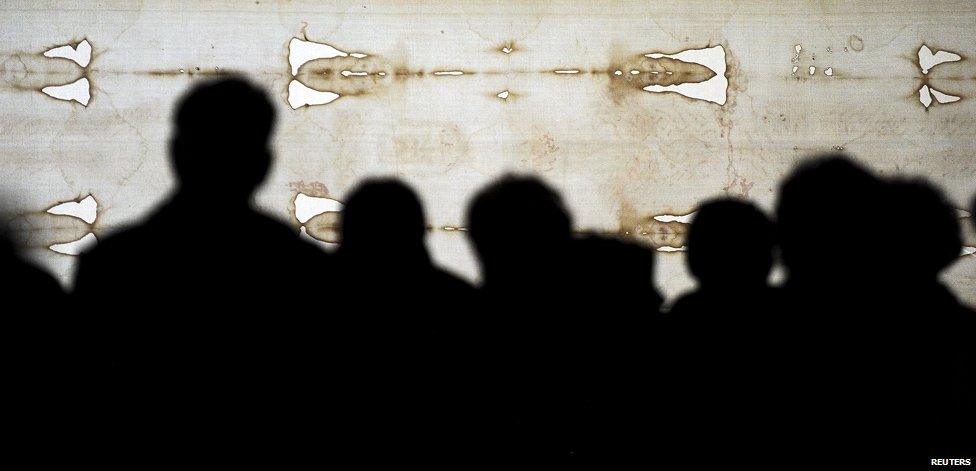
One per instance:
(519, 228)
(382, 214)
(730, 242)
(925, 226)
(221, 137)
(828, 217)
(516, 211)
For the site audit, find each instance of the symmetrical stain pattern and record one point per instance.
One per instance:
(926, 62)
(79, 90)
(67, 228)
(680, 76)
(322, 73)
(648, 104)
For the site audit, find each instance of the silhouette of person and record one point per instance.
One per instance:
(564, 310)
(610, 344)
(721, 339)
(405, 330)
(383, 247)
(40, 364)
(828, 221)
(521, 233)
(199, 305)
(730, 254)
(932, 331)
(845, 332)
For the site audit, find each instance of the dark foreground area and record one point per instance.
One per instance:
(182, 347)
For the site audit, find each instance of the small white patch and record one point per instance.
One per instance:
(924, 96)
(943, 97)
(79, 91)
(927, 60)
(307, 207)
(86, 209)
(668, 248)
(684, 219)
(300, 52)
(76, 247)
(300, 95)
(79, 54)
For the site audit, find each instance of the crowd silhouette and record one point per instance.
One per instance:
(227, 339)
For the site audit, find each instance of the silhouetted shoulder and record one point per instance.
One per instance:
(748, 307)
(162, 254)
(29, 284)
(612, 261)
(41, 361)
(37, 296)
(116, 249)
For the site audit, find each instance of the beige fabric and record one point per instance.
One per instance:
(621, 155)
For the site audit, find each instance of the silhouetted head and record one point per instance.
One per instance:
(730, 244)
(383, 219)
(923, 230)
(517, 225)
(221, 143)
(829, 220)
